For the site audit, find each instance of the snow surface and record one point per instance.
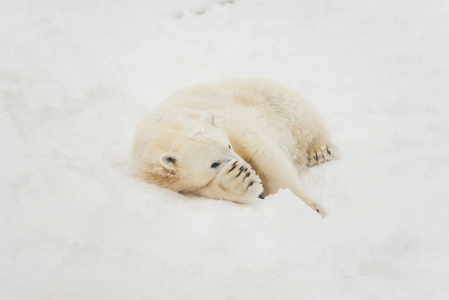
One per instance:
(76, 77)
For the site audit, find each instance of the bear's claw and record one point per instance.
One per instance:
(248, 185)
(321, 154)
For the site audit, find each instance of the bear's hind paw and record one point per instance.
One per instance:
(321, 154)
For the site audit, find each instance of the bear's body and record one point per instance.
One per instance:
(228, 140)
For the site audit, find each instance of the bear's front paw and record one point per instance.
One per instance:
(240, 179)
(318, 209)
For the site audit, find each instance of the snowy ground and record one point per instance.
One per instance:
(75, 78)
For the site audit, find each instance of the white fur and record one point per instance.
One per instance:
(273, 133)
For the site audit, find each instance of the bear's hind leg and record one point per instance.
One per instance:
(321, 154)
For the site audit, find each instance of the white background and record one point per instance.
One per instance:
(76, 77)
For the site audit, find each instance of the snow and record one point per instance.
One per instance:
(77, 76)
(198, 134)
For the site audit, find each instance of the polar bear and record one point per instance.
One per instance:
(233, 140)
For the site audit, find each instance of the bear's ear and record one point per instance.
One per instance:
(211, 117)
(168, 160)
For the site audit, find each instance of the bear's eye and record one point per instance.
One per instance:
(215, 164)
(229, 146)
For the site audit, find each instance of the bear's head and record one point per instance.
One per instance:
(183, 153)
